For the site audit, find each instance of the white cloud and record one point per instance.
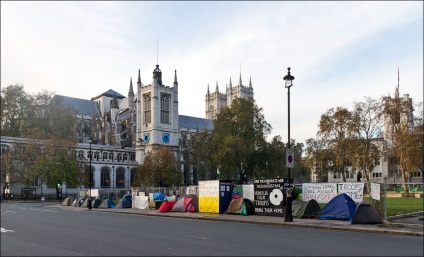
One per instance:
(82, 49)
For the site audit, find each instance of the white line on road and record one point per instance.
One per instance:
(11, 211)
(35, 209)
(49, 210)
(5, 230)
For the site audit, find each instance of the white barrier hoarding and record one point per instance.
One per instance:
(354, 190)
(320, 192)
(375, 191)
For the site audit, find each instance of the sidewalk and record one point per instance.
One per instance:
(410, 225)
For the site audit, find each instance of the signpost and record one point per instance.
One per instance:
(289, 158)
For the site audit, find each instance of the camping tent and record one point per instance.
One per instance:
(341, 207)
(107, 203)
(125, 202)
(301, 209)
(179, 205)
(68, 201)
(95, 203)
(241, 206)
(158, 197)
(166, 206)
(191, 204)
(366, 214)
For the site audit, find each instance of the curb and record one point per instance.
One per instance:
(350, 228)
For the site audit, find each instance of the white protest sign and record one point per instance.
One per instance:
(248, 192)
(320, 192)
(375, 191)
(354, 190)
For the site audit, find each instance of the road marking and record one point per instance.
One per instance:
(22, 208)
(35, 209)
(11, 211)
(5, 230)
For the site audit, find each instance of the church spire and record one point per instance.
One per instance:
(139, 79)
(217, 87)
(231, 84)
(114, 102)
(250, 81)
(208, 89)
(240, 84)
(175, 77)
(131, 90)
(397, 88)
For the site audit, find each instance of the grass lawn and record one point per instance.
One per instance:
(396, 206)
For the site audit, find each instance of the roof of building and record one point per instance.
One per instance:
(83, 106)
(110, 93)
(195, 123)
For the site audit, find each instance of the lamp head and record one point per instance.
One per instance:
(288, 78)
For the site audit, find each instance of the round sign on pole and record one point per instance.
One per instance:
(289, 158)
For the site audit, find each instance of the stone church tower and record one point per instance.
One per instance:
(157, 115)
(216, 101)
(398, 110)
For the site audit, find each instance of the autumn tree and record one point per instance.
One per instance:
(239, 139)
(335, 130)
(366, 120)
(160, 168)
(318, 158)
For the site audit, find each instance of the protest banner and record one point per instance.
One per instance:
(354, 190)
(320, 192)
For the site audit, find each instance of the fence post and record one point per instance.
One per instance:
(385, 200)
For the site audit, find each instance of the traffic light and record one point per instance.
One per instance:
(59, 184)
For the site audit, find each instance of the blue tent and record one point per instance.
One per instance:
(125, 202)
(107, 203)
(341, 207)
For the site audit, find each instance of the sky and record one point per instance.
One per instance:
(339, 51)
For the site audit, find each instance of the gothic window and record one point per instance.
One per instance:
(132, 157)
(105, 177)
(120, 177)
(119, 157)
(164, 108)
(104, 156)
(96, 155)
(125, 157)
(147, 108)
(110, 156)
(376, 161)
(80, 154)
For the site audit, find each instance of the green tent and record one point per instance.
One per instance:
(309, 209)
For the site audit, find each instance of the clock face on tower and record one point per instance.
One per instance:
(166, 138)
(146, 138)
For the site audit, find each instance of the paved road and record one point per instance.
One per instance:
(31, 229)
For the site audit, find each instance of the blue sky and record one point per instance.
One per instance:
(339, 52)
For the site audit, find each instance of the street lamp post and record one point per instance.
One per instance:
(91, 176)
(288, 217)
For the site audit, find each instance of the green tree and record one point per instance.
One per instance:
(317, 158)
(160, 168)
(15, 104)
(239, 140)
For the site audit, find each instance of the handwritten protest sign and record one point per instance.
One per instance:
(320, 192)
(209, 196)
(354, 190)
